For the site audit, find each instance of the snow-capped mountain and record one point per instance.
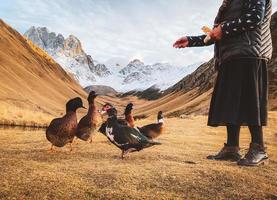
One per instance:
(68, 52)
(136, 75)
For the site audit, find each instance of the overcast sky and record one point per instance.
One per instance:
(120, 29)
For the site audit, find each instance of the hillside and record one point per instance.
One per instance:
(33, 87)
(273, 65)
(192, 94)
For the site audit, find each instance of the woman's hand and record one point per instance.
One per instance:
(181, 43)
(216, 33)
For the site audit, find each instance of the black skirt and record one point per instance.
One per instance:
(240, 94)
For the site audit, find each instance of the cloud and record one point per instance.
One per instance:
(120, 28)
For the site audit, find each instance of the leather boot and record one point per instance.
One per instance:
(226, 153)
(255, 156)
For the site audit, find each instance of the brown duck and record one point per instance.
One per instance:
(87, 125)
(154, 130)
(129, 115)
(62, 131)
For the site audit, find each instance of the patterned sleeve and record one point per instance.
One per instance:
(252, 17)
(198, 41)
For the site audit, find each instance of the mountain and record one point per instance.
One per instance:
(135, 76)
(101, 90)
(68, 52)
(192, 94)
(33, 87)
(273, 65)
(142, 76)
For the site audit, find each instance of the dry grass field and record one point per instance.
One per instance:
(175, 170)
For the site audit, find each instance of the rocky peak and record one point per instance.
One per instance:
(45, 39)
(101, 70)
(133, 66)
(136, 62)
(72, 46)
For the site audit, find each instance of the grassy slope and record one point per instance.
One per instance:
(33, 87)
(94, 171)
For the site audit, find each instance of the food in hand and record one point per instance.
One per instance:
(207, 31)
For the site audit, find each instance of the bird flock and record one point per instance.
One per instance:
(121, 132)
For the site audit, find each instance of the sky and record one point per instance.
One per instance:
(121, 30)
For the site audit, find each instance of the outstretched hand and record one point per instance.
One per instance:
(216, 33)
(181, 43)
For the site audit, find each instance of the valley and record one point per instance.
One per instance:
(178, 169)
(40, 71)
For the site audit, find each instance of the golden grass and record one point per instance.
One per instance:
(175, 170)
(23, 116)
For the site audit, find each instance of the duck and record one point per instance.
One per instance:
(62, 131)
(126, 138)
(129, 115)
(152, 131)
(104, 110)
(88, 124)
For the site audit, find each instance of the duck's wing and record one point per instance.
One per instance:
(54, 126)
(102, 128)
(84, 125)
(85, 122)
(151, 130)
(55, 133)
(133, 135)
(122, 122)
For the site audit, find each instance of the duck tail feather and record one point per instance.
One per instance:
(155, 143)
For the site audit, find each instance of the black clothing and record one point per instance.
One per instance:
(246, 31)
(240, 95)
(257, 135)
(233, 132)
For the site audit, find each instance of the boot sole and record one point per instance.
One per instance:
(227, 158)
(262, 162)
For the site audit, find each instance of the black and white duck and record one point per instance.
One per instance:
(62, 131)
(104, 110)
(87, 125)
(126, 138)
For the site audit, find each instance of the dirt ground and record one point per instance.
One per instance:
(177, 169)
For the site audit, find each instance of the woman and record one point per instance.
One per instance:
(243, 47)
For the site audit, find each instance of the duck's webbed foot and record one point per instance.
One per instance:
(122, 154)
(52, 149)
(127, 151)
(76, 141)
(70, 147)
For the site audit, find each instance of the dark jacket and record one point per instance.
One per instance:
(246, 31)
(254, 43)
